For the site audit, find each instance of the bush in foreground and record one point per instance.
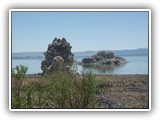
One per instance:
(58, 90)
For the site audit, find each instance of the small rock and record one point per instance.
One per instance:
(107, 103)
(88, 60)
(104, 58)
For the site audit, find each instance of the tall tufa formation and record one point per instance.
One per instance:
(58, 53)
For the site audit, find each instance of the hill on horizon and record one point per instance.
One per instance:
(128, 52)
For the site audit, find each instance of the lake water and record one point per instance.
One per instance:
(135, 65)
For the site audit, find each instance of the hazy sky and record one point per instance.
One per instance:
(33, 31)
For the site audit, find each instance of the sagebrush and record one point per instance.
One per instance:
(60, 89)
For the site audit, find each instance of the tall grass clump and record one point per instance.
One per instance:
(18, 75)
(70, 90)
(59, 89)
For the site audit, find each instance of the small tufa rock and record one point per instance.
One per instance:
(88, 60)
(103, 58)
(58, 53)
(105, 54)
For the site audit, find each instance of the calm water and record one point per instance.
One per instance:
(135, 65)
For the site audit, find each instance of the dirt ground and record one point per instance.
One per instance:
(123, 91)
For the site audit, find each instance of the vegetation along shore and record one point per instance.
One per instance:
(80, 91)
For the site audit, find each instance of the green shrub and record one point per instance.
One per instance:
(69, 90)
(61, 89)
(18, 75)
(19, 72)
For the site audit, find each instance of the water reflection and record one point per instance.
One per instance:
(100, 69)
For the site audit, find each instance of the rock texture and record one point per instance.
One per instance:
(58, 53)
(104, 58)
(107, 103)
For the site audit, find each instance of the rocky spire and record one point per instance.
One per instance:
(59, 52)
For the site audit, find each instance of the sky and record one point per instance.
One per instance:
(85, 31)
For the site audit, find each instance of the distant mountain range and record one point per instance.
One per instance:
(140, 51)
(28, 55)
(40, 55)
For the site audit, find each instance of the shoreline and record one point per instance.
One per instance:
(103, 74)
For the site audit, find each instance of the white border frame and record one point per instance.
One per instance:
(69, 10)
